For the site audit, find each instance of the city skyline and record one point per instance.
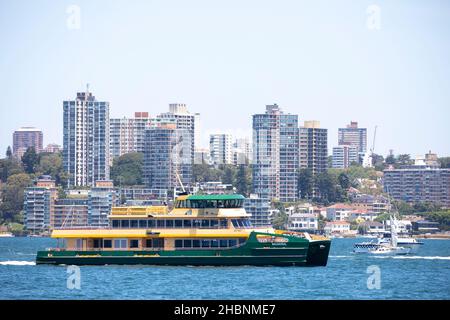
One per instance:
(300, 60)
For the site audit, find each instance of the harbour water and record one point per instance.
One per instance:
(423, 275)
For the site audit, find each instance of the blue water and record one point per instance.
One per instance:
(424, 275)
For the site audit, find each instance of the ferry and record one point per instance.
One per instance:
(200, 230)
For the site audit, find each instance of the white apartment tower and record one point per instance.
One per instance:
(86, 140)
(221, 148)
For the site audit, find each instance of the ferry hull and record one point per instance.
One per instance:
(315, 254)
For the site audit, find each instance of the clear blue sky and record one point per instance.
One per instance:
(228, 59)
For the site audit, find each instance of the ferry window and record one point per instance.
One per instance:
(125, 223)
(178, 243)
(158, 243)
(196, 243)
(107, 243)
(223, 223)
(133, 223)
(214, 243)
(178, 223)
(151, 223)
(160, 223)
(169, 223)
(187, 223)
(148, 243)
(188, 204)
(200, 204)
(206, 243)
(205, 223)
(241, 240)
(235, 223)
(134, 243)
(223, 243)
(188, 243)
(220, 204)
(116, 224)
(196, 223)
(232, 242)
(142, 223)
(79, 244)
(214, 223)
(97, 243)
(120, 243)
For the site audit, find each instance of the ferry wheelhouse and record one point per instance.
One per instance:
(200, 230)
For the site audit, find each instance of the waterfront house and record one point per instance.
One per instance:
(339, 212)
(337, 227)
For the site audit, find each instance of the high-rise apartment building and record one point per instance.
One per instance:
(275, 154)
(353, 136)
(344, 156)
(39, 205)
(259, 208)
(202, 156)
(53, 148)
(186, 121)
(313, 147)
(127, 134)
(86, 139)
(418, 183)
(242, 151)
(25, 138)
(101, 199)
(167, 156)
(221, 148)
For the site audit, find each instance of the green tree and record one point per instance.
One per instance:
(9, 167)
(326, 187)
(204, 172)
(229, 173)
(243, 180)
(344, 181)
(30, 159)
(51, 164)
(444, 162)
(127, 169)
(391, 160)
(280, 219)
(378, 162)
(305, 183)
(404, 159)
(12, 196)
(8, 153)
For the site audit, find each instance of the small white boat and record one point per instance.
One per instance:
(383, 247)
(387, 249)
(6, 235)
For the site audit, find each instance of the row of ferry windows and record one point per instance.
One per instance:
(171, 223)
(208, 243)
(158, 243)
(122, 243)
(210, 204)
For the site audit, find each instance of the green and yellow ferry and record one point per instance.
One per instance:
(200, 230)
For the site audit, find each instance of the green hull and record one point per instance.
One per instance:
(297, 252)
